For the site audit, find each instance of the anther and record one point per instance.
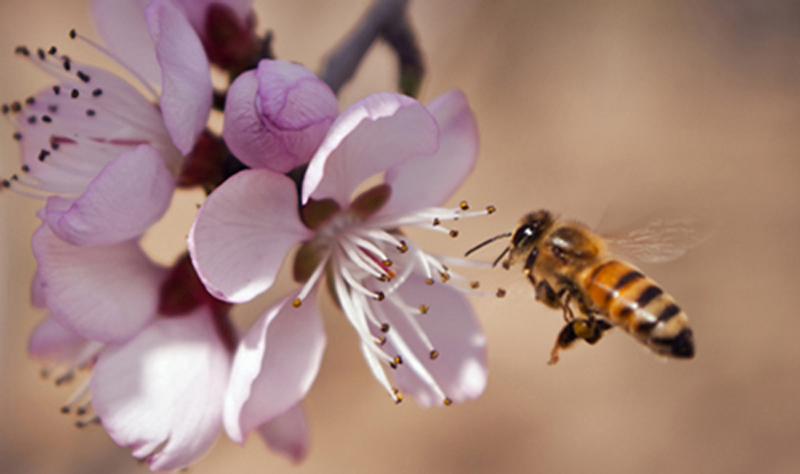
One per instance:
(23, 50)
(46, 119)
(384, 328)
(54, 146)
(383, 278)
(403, 248)
(52, 51)
(454, 233)
(379, 296)
(297, 302)
(434, 354)
(67, 64)
(398, 360)
(16, 106)
(97, 92)
(393, 365)
(83, 424)
(40, 53)
(429, 281)
(30, 101)
(43, 154)
(57, 90)
(491, 209)
(436, 221)
(53, 108)
(65, 409)
(6, 109)
(81, 411)
(91, 112)
(73, 34)
(74, 94)
(26, 169)
(387, 263)
(381, 341)
(398, 397)
(464, 206)
(445, 277)
(83, 76)
(501, 292)
(475, 285)
(6, 183)
(32, 119)
(447, 402)
(423, 309)
(17, 136)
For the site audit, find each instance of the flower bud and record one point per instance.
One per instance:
(277, 115)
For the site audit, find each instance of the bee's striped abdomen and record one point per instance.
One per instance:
(637, 304)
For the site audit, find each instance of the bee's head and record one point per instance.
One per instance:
(530, 229)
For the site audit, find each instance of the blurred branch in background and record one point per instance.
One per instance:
(388, 20)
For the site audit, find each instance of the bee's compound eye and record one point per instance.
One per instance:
(523, 234)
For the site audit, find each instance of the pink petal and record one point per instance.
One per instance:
(128, 195)
(195, 10)
(371, 136)
(430, 180)
(106, 293)
(186, 91)
(455, 332)
(161, 393)
(51, 342)
(277, 116)
(37, 291)
(121, 25)
(287, 434)
(243, 232)
(274, 366)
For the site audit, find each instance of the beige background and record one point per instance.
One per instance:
(585, 108)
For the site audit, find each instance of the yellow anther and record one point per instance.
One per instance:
(501, 292)
(436, 221)
(296, 303)
(379, 296)
(387, 263)
(423, 309)
(381, 341)
(475, 285)
(445, 277)
(454, 233)
(491, 209)
(398, 397)
(403, 248)
(447, 402)
(429, 281)
(463, 205)
(398, 360)
(384, 328)
(434, 354)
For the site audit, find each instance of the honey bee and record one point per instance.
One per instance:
(571, 268)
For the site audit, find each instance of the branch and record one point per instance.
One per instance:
(386, 19)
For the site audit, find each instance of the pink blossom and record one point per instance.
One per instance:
(96, 149)
(383, 282)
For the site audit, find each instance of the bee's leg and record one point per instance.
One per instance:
(529, 263)
(590, 330)
(568, 314)
(547, 295)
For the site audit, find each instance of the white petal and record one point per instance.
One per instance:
(287, 434)
(274, 366)
(161, 393)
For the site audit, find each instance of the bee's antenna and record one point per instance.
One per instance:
(487, 242)
(497, 260)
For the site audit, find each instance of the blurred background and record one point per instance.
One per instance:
(588, 108)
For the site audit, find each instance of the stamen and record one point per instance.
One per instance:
(312, 281)
(501, 292)
(464, 206)
(447, 402)
(423, 309)
(434, 354)
(92, 421)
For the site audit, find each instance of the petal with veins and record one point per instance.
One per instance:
(453, 328)
(121, 25)
(107, 293)
(371, 136)
(128, 195)
(52, 342)
(287, 434)
(161, 393)
(274, 366)
(428, 181)
(186, 92)
(243, 232)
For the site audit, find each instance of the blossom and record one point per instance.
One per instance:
(383, 281)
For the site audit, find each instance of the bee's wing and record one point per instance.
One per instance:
(660, 240)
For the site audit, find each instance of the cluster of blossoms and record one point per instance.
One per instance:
(169, 368)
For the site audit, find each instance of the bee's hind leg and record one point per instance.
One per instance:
(590, 330)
